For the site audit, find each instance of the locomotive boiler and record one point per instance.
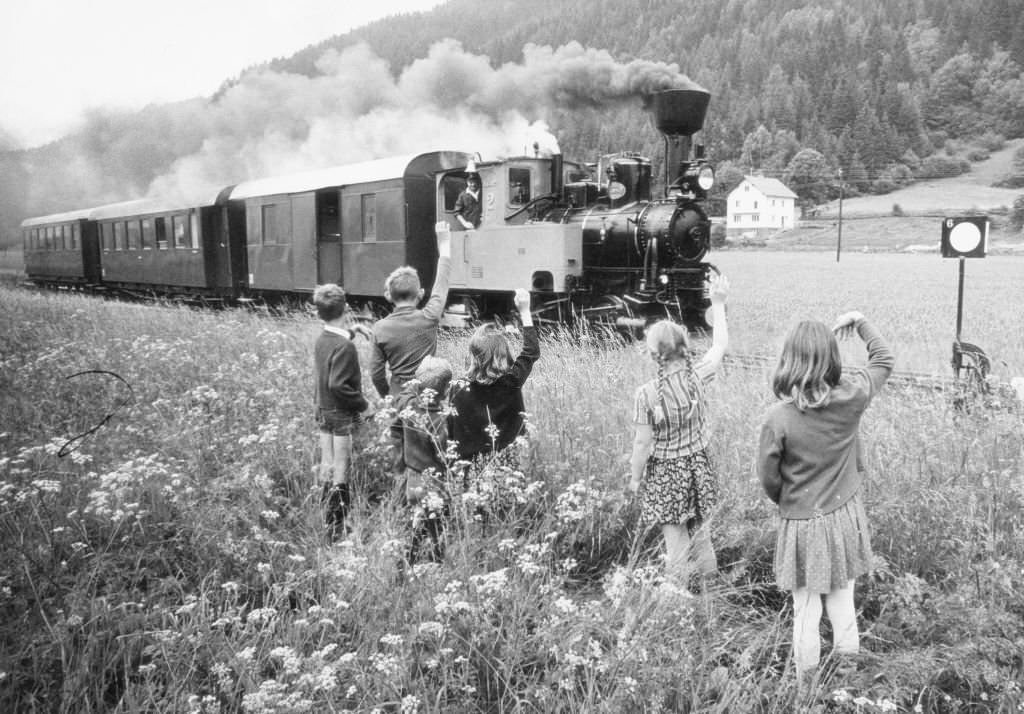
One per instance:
(643, 256)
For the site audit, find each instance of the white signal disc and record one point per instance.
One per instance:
(965, 237)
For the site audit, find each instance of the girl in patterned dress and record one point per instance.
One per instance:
(671, 468)
(809, 463)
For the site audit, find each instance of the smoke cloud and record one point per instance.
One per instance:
(356, 109)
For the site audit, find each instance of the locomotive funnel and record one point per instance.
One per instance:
(680, 112)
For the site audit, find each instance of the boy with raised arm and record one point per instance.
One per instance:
(407, 335)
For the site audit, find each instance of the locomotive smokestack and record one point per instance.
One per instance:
(678, 115)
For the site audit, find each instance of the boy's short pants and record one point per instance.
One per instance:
(337, 421)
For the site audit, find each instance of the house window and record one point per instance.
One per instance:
(755, 204)
(755, 217)
(369, 206)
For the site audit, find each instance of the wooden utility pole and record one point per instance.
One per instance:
(839, 236)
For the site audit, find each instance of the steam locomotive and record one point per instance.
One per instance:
(590, 241)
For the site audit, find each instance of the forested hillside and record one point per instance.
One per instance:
(885, 90)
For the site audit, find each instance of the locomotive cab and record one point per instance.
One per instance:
(512, 248)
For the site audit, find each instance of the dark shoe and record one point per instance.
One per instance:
(337, 501)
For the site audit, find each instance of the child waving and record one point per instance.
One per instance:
(809, 464)
(671, 468)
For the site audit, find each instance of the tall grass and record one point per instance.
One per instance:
(174, 559)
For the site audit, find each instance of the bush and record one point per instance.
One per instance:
(937, 166)
(718, 233)
(897, 210)
(1017, 214)
(975, 155)
(991, 141)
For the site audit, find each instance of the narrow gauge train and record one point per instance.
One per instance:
(590, 244)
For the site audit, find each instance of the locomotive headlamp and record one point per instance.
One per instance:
(706, 177)
(696, 178)
(663, 279)
(965, 237)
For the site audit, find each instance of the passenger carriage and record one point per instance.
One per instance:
(61, 249)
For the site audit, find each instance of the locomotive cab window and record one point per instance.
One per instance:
(451, 186)
(518, 186)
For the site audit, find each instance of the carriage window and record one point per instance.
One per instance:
(180, 230)
(194, 233)
(161, 234)
(107, 236)
(49, 238)
(75, 236)
(276, 224)
(518, 186)
(369, 205)
(119, 237)
(148, 236)
(33, 239)
(133, 235)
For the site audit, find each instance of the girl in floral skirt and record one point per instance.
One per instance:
(809, 464)
(671, 469)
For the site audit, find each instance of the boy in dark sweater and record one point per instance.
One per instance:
(339, 402)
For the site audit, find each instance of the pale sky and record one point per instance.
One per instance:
(58, 57)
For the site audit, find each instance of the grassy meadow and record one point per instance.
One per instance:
(171, 559)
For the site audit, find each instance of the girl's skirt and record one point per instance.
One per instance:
(678, 491)
(825, 552)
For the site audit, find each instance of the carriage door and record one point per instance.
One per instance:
(328, 236)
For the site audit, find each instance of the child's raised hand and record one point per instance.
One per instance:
(522, 300)
(846, 324)
(444, 237)
(359, 328)
(718, 289)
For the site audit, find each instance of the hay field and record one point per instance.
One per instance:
(174, 561)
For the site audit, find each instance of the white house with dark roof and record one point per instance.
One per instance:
(761, 205)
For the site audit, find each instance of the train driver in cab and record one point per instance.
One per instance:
(468, 209)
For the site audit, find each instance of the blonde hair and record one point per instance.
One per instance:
(667, 342)
(491, 354)
(402, 284)
(435, 373)
(330, 301)
(809, 366)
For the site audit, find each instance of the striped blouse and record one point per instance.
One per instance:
(684, 430)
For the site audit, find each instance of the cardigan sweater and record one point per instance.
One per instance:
(809, 461)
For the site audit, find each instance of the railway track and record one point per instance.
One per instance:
(999, 390)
